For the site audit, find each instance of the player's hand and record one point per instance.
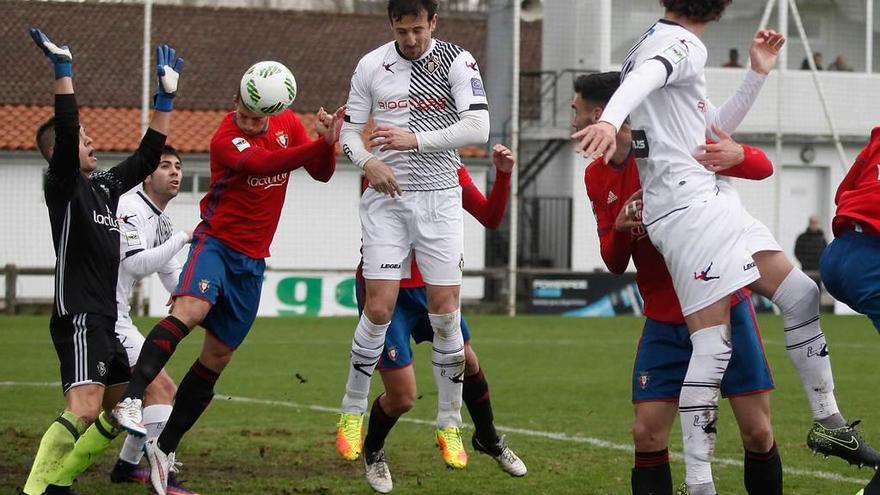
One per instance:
(168, 67)
(59, 55)
(390, 137)
(329, 125)
(630, 216)
(596, 140)
(764, 50)
(381, 177)
(189, 234)
(724, 154)
(502, 158)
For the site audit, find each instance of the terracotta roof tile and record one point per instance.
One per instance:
(218, 44)
(118, 129)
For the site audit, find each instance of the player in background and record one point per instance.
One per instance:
(710, 243)
(851, 263)
(82, 212)
(664, 350)
(411, 319)
(427, 99)
(148, 244)
(252, 157)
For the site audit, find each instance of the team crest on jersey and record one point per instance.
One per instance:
(392, 353)
(204, 285)
(102, 368)
(644, 378)
(241, 143)
(431, 65)
(282, 138)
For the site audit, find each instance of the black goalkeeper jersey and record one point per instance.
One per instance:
(82, 212)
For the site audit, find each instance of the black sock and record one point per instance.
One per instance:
(651, 474)
(378, 427)
(475, 393)
(193, 396)
(873, 487)
(157, 350)
(763, 472)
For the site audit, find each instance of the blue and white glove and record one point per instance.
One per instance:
(60, 56)
(168, 67)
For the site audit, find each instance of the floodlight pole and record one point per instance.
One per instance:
(869, 36)
(145, 83)
(513, 248)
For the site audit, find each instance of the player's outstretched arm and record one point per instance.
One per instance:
(64, 163)
(134, 169)
(599, 139)
(328, 126)
(488, 211)
(762, 56)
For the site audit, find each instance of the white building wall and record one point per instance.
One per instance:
(319, 227)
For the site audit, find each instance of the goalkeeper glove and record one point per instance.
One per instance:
(60, 56)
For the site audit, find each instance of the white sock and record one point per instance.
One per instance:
(698, 403)
(447, 357)
(154, 418)
(366, 347)
(798, 299)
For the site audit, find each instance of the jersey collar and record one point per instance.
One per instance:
(140, 192)
(424, 55)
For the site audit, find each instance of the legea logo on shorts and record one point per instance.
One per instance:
(389, 266)
(267, 182)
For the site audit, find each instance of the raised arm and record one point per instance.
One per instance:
(64, 160)
(488, 211)
(134, 169)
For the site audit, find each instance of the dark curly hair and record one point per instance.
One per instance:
(697, 10)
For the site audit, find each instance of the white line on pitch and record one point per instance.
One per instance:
(562, 437)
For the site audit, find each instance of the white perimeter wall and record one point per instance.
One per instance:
(319, 227)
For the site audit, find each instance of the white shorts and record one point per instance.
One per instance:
(427, 223)
(130, 337)
(708, 248)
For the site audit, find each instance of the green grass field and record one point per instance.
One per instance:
(560, 386)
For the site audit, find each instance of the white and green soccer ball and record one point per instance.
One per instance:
(267, 88)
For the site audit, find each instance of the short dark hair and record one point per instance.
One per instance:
(45, 137)
(398, 9)
(697, 10)
(598, 87)
(171, 150)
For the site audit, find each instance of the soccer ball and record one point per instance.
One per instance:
(267, 88)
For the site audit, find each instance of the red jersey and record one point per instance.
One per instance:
(488, 211)
(249, 177)
(608, 188)
(858, 196)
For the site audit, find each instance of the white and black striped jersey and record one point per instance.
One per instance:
(670, 124)
(147, 245)
(82, 213)
(426, 94)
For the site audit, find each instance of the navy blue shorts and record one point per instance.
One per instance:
(410, 319)
(665, 351)
(850, 269)
(230, 281)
